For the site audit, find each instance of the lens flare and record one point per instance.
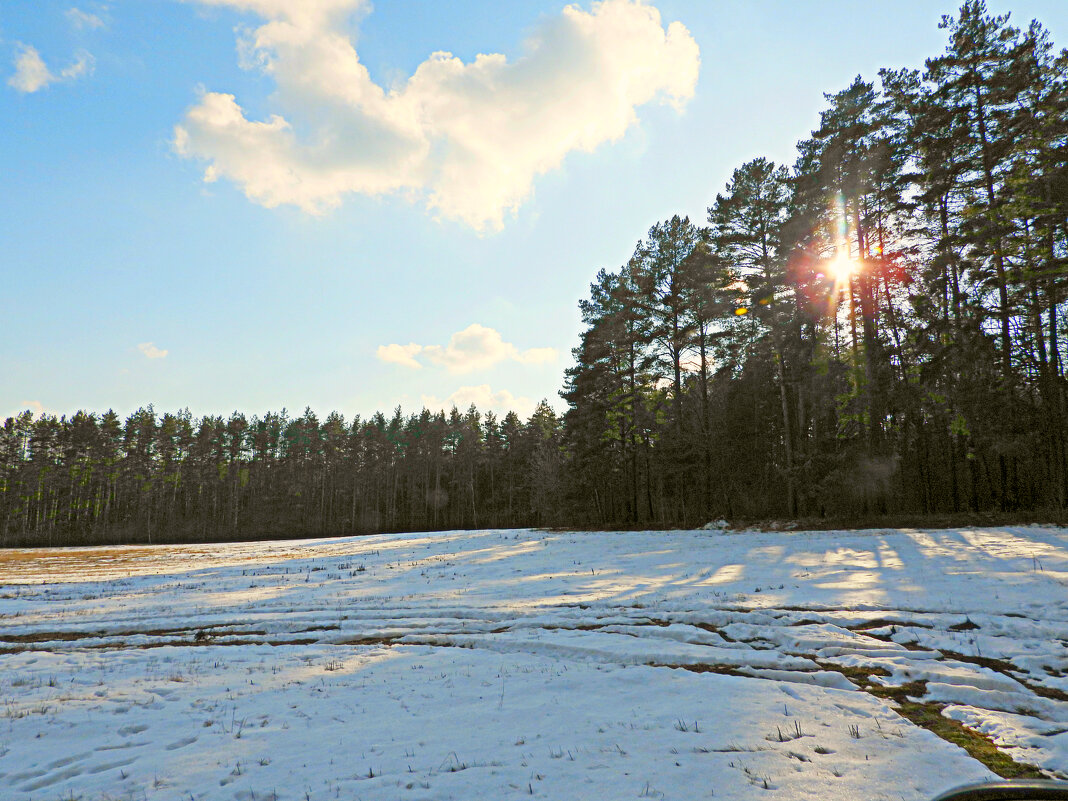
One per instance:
(843, 267)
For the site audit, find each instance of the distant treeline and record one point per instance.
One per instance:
(878, 330)
(95, 478)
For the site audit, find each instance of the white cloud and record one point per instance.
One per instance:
(470, 138)
(536, 356)
(485, 399)
(151, 351)
(476, 347)
(32, 74)
(38, 409)
(401, 354)
(83, 19)
(82, 66)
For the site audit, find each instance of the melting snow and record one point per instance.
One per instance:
(497, 664)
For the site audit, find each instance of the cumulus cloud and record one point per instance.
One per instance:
(83, 19)
(468, 137)
(485, 399)
(401, 354)
(36, 407)
(476, 347)
(32, 74)
(151, 351)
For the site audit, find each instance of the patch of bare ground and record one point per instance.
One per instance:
(860, 676)
(1013, 672)
(386, 641)
(199, 634)
(929, 716)
(199, 643)
(50, 636)
(924, 714)
(563, 627)
(146, 646)
(1002, 666)
(854, 523)
(883, 622)
(903, 520)
(705, 667)
(47, 562)
(714, 630)
(181, 637)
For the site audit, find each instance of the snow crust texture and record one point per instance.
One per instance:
(559, 665)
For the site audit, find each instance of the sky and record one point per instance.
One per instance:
(253, 205)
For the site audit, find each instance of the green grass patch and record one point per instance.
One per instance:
(929, 716)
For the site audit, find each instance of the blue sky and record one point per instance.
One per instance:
(459, 221)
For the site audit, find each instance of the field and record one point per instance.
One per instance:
(561, 665)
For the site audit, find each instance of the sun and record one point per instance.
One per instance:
(842, 268)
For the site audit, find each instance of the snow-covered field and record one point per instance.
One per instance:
(500, 664)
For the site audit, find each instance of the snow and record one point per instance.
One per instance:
(561, 665)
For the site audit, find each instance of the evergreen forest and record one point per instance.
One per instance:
(878, 330)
